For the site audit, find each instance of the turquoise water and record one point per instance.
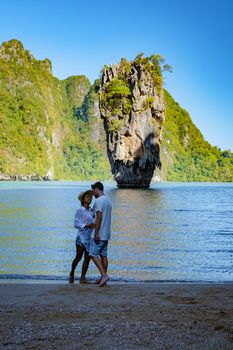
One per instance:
(170, 232)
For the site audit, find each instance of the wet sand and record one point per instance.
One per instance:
(117, 316)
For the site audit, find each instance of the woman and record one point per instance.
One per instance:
(84, 222)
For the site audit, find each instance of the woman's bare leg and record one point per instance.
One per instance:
(84, 269)
(78, 257)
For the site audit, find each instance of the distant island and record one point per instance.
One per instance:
(55, 129)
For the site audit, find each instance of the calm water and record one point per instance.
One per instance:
(170, 232)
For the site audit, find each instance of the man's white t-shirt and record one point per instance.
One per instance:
(103, 205)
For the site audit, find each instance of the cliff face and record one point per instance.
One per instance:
(131, 104)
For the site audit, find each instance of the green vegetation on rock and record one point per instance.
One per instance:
(185, 155)
(155, 65)
(44, 129)
(116, 98)
(148, 102)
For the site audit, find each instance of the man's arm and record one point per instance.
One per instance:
(97, 225)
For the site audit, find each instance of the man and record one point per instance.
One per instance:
(102, 232)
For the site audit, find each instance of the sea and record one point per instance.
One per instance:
(170, 232)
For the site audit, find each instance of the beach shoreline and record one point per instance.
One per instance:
(118, 316)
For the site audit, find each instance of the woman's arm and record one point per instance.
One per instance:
(78, 220)
(90, 225)
(81, 219)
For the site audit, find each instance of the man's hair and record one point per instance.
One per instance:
(98, 185)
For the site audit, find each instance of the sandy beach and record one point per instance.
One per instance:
(117, 316)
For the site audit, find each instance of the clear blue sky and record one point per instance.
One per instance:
(195, 38)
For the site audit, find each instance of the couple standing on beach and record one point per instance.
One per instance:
(94, 231)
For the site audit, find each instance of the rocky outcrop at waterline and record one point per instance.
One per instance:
(25, 178)
(132, 107)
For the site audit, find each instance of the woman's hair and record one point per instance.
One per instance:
(82, 201)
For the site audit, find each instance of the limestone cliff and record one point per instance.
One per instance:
(132, 106)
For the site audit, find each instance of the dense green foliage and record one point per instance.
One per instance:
(46, 124)
(85, 151)
(22, 111)
(185, 155)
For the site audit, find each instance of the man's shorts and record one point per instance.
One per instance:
(98, 249)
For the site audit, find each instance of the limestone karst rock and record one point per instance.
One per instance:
(132, 107)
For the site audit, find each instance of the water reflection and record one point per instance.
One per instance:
(135, 234)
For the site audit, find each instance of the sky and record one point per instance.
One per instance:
(194, 37)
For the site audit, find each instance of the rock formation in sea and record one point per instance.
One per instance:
(132, 107)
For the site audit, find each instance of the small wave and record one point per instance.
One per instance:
(56, 279)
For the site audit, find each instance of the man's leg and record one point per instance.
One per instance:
(104, 260)
(95, 250)
(78, 257)
(99, 265)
